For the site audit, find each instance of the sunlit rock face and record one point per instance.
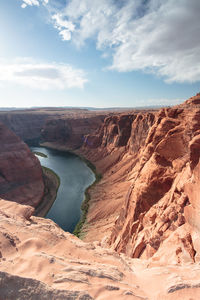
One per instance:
(38, 260)
(21, 177)
(146, 158)
(146, 206)
(160, 213)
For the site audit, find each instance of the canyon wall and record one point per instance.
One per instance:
(27, 125)
(152, 219)
(21, 177)
(146, 206)
(114, 151)
(70, 132)
(38, 260)
(146, 158)
(59, 124)
(143, 206)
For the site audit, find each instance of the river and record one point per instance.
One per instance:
(75, 177)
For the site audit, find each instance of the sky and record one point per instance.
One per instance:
(98, 53)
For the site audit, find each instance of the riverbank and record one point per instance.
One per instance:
(87, 197)
(52, 183)
(40, 154)
(86, 202)
(107, 196)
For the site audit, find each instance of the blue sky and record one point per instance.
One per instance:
(99, 53)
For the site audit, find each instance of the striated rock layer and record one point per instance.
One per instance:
(70, 131)
(113, 148)
(153, 218)
(38, 260)
(146, 206)
(21, 177)
(25, 124)
(143, 204)
(58, 123)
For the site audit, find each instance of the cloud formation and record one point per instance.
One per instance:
(64, 27)
(33, 2)
(156, 36)
(43, 76)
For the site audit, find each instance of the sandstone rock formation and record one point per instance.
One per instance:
(21, 177)
(38, 260)
(141, 238)
(56, 123)
(152, 220)
(25, 124)
(70, 131)
(147, 160)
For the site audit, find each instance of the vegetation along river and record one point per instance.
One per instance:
(75, 177)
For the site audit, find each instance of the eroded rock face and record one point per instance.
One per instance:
(27, 125)
(116, 156)
(139, 205)
(38, 260)
(70, 132)
(146, 206)
(20, 171)
(152, 220)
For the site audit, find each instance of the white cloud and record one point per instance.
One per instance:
(65, 27)
(44, 76)
(33, 2)
(66, 35)
(160, 37)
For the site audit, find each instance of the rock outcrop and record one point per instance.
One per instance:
(146, 206)
(70, 132)
(147, 159)
(115, 156)
(38, 260)
(21, 177)
(55, 124)
(152, 219)
(25, 124)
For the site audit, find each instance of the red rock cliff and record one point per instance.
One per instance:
(162, 197)
(146, 206)
(143, 205)
(114, 151)
(70, 132)
(26, 124)
(147, 159)
(20, 171)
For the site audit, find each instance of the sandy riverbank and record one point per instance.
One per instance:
(52, 183)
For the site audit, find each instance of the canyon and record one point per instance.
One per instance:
(141, 236)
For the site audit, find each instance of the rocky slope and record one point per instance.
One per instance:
(153, 218)
(146, 206)
(40, 261)
(70, 131)
(26, 124)
(21, 177)
(58, 123)
(115, 155)
(147, 159)
(143, 206)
